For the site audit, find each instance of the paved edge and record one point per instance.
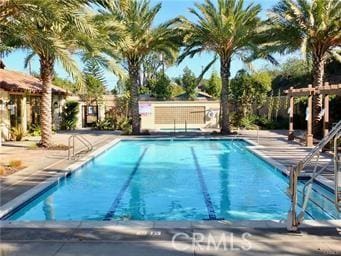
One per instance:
(133, 225)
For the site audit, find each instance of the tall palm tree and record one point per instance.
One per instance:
(227, 28)
(312, 26)
(54, 31)
(133, 35)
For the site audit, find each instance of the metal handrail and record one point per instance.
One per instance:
(81, 139)
(336, 129)
(337, 170)
(294, 171)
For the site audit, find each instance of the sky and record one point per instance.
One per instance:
(169, 10)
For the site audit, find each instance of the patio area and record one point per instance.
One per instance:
(41, 164)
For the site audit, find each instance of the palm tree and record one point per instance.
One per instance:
(133, 36)
(53, 32)
(8, 11)
(312, 26)
(227, 28)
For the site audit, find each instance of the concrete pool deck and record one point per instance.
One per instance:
(168, 238)
(153, 238)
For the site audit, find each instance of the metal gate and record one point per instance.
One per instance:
(89, 115)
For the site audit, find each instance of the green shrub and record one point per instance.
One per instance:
(161, 87)
(106, 124)
(69, 115)
(17, 133)
(251, 122)
(125, 126)
(34, 130)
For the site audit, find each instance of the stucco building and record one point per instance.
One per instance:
(20, 97)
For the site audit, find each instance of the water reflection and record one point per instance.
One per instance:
(48, 209)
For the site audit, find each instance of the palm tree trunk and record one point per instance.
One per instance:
(134, 96)
(46, 73)
(2, 64)
(225, 76)
(318, 77)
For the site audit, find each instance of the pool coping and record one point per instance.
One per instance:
(135, 225)
(32, 193)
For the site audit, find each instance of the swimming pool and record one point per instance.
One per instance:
(173, 180)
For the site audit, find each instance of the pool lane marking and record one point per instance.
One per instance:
(207, 197)
(110, 214)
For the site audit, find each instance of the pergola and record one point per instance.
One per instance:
(326, 90)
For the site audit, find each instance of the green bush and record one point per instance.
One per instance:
(125, 126)
(161, 87)
(251, 122)
(17, 133)
(34, 130)
(69, 115)
(106, 124)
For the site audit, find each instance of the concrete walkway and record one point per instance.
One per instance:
(41, 164)
(288, 153)
(145, 238)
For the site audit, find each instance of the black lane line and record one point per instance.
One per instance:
(207, 197)
(110, 214)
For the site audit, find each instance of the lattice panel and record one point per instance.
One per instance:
(181, 114)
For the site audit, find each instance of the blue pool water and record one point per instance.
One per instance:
(173, 180)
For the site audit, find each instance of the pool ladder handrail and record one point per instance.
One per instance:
(174, 127)
(71, 145)
(236, 136)
(337, 172)
(295, 220)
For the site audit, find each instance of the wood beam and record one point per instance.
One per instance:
(291, 119)
(326, 115)
(309, 135)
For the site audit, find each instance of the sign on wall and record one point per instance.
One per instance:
(145, 109)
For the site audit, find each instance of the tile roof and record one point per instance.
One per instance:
(20, 82)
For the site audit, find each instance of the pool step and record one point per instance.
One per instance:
(320, 203)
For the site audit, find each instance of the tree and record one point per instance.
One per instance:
(11, 10)
(227, 28)
(161, 87)
(94, 83)
(53, 31)
(213, 86)
(248, 89)
(294, 72)
(312, 26)
(133, 35)
(64, 83)
(189, 83)
(154, 63)
(176, 89)
(69, 115)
